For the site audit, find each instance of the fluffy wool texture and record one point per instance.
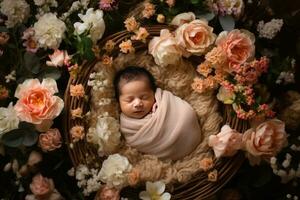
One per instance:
(176, 79)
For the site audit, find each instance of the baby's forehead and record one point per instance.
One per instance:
(123, 81)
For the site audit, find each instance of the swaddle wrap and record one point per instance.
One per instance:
(171, 131)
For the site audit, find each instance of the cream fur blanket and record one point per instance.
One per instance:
(171, 132)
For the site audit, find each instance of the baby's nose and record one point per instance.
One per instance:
(138, 103)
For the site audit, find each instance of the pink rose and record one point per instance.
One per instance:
(41, 187)
(59, 58)
(225, 143)
(50, 140)
(182, 18)
(37, 103)
(164, 49)
(195, 37)
(107, 193)
(237, 45)
(266, 140)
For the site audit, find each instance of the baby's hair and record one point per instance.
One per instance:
(132, 73)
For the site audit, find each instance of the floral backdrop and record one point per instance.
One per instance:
(247, 52)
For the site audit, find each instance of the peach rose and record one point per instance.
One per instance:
(266, 140)
(225, 143)
(195, 37)
(41, 187)
(164, 49)
(37, 103)
(107, 193)
(182, 18)
(238, 46)
(50, 140)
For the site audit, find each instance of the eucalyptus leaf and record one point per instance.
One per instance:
(207, 16)
(195, 1)
(227, 22)
(3, 29)
(87, 48)
(13, 138)
(32, 62)
(30, 138)
(50, 72)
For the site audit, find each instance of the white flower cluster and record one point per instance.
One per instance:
(285, 78)
(285, 172)
(17, 11)
(11, 76)
(8, 119)
(51, 3)
(104, 101)
(99, 82)
(92, 22)
(270, 29)
(114, 171)
(106, 134)
(49, 31)
(226, 7)
(289, 196)
(76, 5)
(88, 179)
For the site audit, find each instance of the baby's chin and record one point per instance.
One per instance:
(137, 115)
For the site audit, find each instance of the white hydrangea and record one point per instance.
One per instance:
(49, 31)
(51, 3)
(106, 134)
(114, 171)
(8, 119)
(17, 11)
(92, 22)
(270, 29)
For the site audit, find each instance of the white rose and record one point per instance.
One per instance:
(114, 171)
(49, 31)
(164, 49)
(8, 119)
(182, 18)
(106, 134)
(92, 22)
(17, 11)
(226, 96)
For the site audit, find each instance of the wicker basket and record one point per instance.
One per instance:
(198, 187)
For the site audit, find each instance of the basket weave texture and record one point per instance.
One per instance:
(82, 152)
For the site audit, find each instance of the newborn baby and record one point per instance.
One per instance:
(154, 121)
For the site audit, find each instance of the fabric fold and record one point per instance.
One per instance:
(172, 131)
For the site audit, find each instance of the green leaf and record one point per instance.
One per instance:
(227, 22)
(3, 29)
(50, 72)
(87, 48)
(32, 62)
(24, 135)
(195, 1)
(207, 16)
(13, 138)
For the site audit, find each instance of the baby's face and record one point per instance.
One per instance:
(136, 98)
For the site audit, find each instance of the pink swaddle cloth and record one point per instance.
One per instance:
(172, 131)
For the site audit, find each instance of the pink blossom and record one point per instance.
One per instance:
(50, 140)
(107, 193)
(59, 58)
(41, 187)
(108, 5)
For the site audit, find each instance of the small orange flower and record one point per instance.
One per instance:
(199, 85)
(126, 46)
(109, 46)
(77, 133)
(76, 113)
(206, 164)
(160, 18)
(204, 69)
(149, 10)
(131, 24)
(213, 176)
(107, 60)
(133, 177)
(77, 90)
(141, 34)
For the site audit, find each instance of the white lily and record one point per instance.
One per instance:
(155, 191)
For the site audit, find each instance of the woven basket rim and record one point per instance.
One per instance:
(196, 188)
